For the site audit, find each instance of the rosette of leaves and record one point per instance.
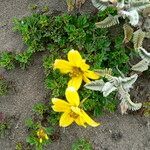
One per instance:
(144, 63)
(125, 8)
(120, 84)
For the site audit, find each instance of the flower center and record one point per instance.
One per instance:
(76, 71)
(73, 115)
(41, 133)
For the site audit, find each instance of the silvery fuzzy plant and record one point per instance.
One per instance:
(120, 84)
(125, 8)
(144, 63)
(129, 9)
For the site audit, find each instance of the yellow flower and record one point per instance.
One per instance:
(77, 69)
(42, 135)
(71, 110)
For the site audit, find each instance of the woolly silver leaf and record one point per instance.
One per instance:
(126, 102)
(141, 66)
(104, 72)
(144, 54)
(108, 22)
(138, 37)
(140, 5)
(108, 88)
(95, 85)
(147, 35)
(99, 5)
(127, 82)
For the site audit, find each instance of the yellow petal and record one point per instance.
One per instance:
(41, 140)
(63, 65)
(75, 82)
(88, 120)
(80, 121)
(60, 105)
(85, 79)
(91, 74)
(46, 137)
(84, 66)
(72, 96)
(75, 58)
(38, 133)
(65, 120)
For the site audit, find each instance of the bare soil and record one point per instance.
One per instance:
(117, 132)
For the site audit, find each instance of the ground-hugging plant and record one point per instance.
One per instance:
(41, 127)
(3, 86)
(6, 60)
(81, 144)
(39, 135)
(120, 84)
(146, 110)
(5, 124)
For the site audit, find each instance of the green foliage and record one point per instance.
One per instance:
(19, 146)
(40, 108)
(33, 138)
(5, 125)
(108, 11)
(146, 107)
(3, 128)
(53, 118)
(6, 60)
(118, 56)
(61, 33)
(43, 118)
(98, 50)
(81, 144)
(96, 103)
(23, 59)
(3, 87)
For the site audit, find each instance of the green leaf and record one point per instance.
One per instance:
(31, 140)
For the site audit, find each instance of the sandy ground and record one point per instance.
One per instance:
(117, 132)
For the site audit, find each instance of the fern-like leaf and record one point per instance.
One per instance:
(108, 22)
(147, 35)
(144, 54)
(104, 72)
(99, 5)
(108, 88)
(138, 37)
(95, 85)
(126, 102)
(128, 81)
(128, 32)
(140, 5)
(70, 4)
(141, 66)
